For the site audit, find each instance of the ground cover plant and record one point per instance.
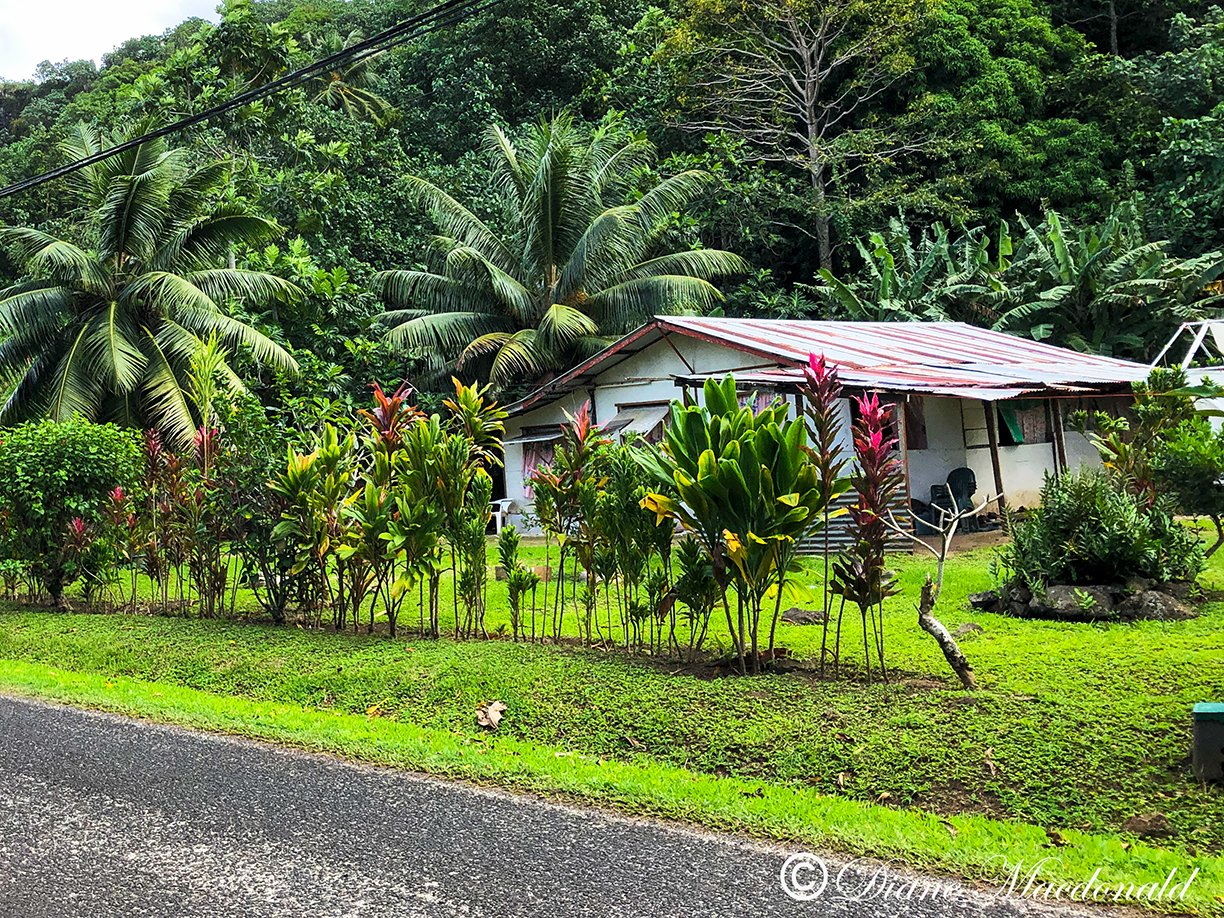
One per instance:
(1083, 744)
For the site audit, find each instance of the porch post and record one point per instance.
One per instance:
(992, 434)
(1060, 440)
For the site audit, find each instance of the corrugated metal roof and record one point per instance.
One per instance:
(937, 353)
(942, 358)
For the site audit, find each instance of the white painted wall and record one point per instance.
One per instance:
(956, 428)
(945, 446)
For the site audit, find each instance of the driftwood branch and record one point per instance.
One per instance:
(935, 628)
(949, 521)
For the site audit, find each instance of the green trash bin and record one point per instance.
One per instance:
(1208, 755)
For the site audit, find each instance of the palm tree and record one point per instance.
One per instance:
(106, 326)
(346, 87)
(570, 269)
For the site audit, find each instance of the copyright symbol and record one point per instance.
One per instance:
(804, 877)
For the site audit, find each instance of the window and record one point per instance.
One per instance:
(538, 443)
(915, 424)
(644, 420)
(1024, 421)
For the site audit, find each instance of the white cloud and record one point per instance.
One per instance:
(32, 31)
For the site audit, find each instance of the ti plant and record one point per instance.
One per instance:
(746, 489)
(821, 394)
(569, 487)
(860, 575)
(520, 580)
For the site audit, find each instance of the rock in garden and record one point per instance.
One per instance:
(1156, 605)
(1149, 825)
(796, 616)
(1181, 589)
(1139, 585)
(1073, 603)
(968, 628)
(989, 601)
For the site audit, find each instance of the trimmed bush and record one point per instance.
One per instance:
(56, 485)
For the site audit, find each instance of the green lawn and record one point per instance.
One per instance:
(1075, 729)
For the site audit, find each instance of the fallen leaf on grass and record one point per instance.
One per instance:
(489, 714)
(885, 795)
(842, 777)
(1056, 838)
(952, 830)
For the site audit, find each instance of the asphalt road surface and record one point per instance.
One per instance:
(102, 816)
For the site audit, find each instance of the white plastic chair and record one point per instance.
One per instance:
(501, 511)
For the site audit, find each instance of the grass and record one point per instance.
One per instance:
(1076, 728)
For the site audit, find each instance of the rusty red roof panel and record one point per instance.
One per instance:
(917, 349)
(950, 358)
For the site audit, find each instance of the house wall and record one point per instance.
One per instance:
(956, 428)
(957, 436)
(648, 376)
(946, 446)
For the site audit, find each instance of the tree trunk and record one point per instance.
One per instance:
(932, 626)
(1113, 28)
(824, 243)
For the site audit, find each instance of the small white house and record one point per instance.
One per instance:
(971, 398)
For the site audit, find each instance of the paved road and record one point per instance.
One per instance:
(102, 816)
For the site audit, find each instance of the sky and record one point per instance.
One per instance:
(32, 31)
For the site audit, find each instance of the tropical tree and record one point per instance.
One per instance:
(105, 326)
(570, 264)
(1109, 290)
(932, 275)
(346, 87)
(1097, 287)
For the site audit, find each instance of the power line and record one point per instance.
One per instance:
(443, 14)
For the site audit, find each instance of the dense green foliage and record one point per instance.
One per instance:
(105, 327)
(573, 270)
(1090, 531)
(965, 114)
(59, 486)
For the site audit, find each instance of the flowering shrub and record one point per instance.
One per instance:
(63, 486)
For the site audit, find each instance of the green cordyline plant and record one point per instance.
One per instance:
(697, 590)
(414, 542)
(821, 392)
(318, 486)
(746, 489)
(860, 575)
(473, 546)
(626, 534)
(570, 486)
(520, 580)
